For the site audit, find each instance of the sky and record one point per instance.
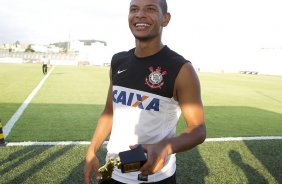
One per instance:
(213, 34)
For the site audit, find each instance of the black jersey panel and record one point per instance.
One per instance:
(154, 74)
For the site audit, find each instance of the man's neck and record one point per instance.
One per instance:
(144, 49)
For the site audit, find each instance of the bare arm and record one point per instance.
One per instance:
(102, 130)
(104, 124)
(187, 92)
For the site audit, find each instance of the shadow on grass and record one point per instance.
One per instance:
(267, 153)
(22, 177)
(250, 172)
(76, 175)
(54, 122)
(191, 167)
(188, 163)
(21, 156)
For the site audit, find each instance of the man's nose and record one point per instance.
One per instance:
(141, 13)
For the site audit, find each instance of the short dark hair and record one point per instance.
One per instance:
(163, 5)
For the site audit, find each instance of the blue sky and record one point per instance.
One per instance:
(217, 34)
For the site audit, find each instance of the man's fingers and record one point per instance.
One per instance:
(98, 176)
(87, 176)
(144, 146)
(133, 146)
(87, 172)
(88, 179)
(152, 165)
(146, 173)
(146, 169)
(158, 166)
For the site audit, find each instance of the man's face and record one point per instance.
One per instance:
(146, 19)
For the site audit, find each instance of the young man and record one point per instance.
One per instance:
(44, 65)
(150, 86)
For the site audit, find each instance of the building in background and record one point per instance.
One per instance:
(75, 52)
(91, 52)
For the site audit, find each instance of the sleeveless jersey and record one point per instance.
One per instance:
(144, 110)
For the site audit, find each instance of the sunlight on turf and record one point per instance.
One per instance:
(234, 163)
(69, 103)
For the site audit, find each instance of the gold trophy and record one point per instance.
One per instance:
(128, 161)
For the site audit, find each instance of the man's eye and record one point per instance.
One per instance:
(151, 9)
(132, 10)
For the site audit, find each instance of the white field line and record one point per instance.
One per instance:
(29, 143)
(9, 125)
(223, 139)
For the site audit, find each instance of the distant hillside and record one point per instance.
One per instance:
(64, 45)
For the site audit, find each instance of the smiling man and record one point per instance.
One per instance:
(150, 86)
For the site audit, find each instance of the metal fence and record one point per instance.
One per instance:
(35, 57)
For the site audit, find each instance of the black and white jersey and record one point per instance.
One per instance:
(143, 105)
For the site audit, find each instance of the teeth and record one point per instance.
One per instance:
(142, 25)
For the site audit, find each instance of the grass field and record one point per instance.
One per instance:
(67, 107)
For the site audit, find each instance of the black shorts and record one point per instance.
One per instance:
(170, 180)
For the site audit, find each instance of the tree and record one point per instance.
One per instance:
(29, 49)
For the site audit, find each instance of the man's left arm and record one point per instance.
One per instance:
(187, 92)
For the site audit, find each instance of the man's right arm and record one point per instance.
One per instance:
(102, 131)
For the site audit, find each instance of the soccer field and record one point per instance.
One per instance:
(69, 102)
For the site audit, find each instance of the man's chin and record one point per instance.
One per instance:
(142, 38)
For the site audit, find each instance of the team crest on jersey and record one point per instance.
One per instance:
(155, 79)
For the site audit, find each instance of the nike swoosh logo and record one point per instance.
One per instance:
(120, 71)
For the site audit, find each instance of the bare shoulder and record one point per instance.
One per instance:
(187, 70)
(187, 82)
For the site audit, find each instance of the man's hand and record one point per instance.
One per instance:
(156, 157)
(91, 166)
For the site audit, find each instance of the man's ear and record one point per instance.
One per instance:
(166, 19)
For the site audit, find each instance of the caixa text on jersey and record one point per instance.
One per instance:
(136, 100)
